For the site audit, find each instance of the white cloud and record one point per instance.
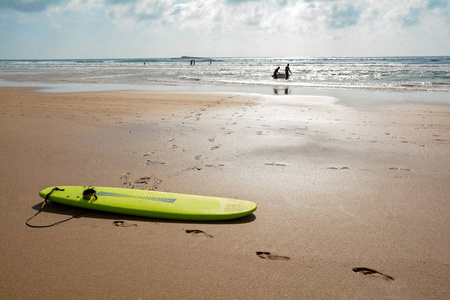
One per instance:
(30, 5)
(196, 14)
(55, 25)
(273, 27)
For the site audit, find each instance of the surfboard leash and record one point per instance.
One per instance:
(42, 207)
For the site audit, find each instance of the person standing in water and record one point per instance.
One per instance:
(287, 71)
(275, 74)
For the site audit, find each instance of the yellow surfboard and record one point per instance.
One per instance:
(150, 203)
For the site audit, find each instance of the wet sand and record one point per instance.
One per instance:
(352, 203)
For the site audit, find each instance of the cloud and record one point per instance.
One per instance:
(284, 27)
(205, 18)
(437, 4)
(120, 1)
(30, 5)
(287, 15)
(242, 1)
(300, 22)
(412, 17)
(343, 16)
(149, 9)
(282, 2)
(138, 15)
(55, 25)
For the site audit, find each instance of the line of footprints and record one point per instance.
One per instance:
(268, 255)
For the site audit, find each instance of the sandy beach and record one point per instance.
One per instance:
(353, 203)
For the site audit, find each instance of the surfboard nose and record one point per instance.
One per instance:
(45, 191)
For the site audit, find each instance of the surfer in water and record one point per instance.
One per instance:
(287, 71)
(275, 74)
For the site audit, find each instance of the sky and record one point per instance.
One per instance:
(69, 29)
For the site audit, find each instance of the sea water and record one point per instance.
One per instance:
(424, 77)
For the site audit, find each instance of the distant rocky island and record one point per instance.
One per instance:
(193, 57)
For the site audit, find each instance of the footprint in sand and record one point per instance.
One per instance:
(192, 168)
(399, 169)
(199, 233)
(149, 162)
(372, 273)
(215, 165)
(335, 168)
(268, 255)
(278, 164)
(124, 176)
(147, 182)
(123, 224)
(142, 180)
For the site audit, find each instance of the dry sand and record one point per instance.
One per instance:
(352, 203)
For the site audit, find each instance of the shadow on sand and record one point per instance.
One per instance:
(66, 211)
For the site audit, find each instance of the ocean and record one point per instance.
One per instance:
(421, 77)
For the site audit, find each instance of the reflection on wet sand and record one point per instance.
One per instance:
(282, 90)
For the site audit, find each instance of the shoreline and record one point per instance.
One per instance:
(359, 98)
(352, 202)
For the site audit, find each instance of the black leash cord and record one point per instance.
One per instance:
(40, 210)
(50, 225)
